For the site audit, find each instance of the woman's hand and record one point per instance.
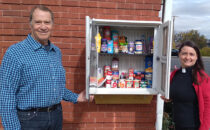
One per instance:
(165, 99)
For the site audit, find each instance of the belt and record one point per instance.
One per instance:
(42, 109)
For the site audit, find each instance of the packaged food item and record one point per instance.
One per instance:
(103, 45)
(110, 47)
(129, 83)
(131, 74)
(123, 48)
(123, 75)
(131, 47)
(148, 63)
(121, 83)
(148, 79)
(116, 48)
(106, 68)
(136, 83)
(143, 84)
(137, 75)
(114, 84)
(107, 32)
(115, 36)
(115, 75)
(139, 47)
(108, 83)
(109, 75)
(98, 42)
(115, 64)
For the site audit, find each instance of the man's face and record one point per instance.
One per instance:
(41, 26)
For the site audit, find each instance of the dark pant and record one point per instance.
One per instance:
(34, 120)
(186, 128)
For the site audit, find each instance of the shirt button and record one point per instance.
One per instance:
(53, 77)
(54, 89)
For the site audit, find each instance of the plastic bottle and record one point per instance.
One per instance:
(98, 42)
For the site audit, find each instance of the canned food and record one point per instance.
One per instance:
(106, 68)
(129, 83)
(108, 83)
(122, 83)
(131, 74)
(109, 75)
(115, 74)
(136, 83)
(114, 84)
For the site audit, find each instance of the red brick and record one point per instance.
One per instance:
(107, 5)
(31, 2)
(5, 7)
(126, 6)
(70, 3)
(50, 2)
(88, 4)
(11, 13)
(11, 1)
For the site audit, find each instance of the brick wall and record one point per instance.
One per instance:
(69, 35)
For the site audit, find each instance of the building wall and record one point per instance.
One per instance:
(69, 35)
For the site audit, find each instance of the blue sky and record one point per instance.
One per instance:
(192, 14)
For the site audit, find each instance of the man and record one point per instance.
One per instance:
(32, 79)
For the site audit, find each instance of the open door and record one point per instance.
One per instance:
(91, 57)
(88, 47)
(164, 40)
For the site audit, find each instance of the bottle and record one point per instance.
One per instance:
(98, 42)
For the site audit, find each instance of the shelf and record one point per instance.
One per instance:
(122, 91)
(124, 54)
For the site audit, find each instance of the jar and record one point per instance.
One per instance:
(139, 47)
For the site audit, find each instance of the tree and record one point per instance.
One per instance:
(192, 35)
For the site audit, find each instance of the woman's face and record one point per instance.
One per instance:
(187, 56)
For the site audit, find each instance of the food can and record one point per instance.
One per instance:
(128, 83)
(109, 75)
(108, 83)
(143, 84)
(122, 83)
(136, 83)
(131, 74)
(114, 84)
(115, 74)
(106, 68)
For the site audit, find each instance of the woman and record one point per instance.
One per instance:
(190, 91)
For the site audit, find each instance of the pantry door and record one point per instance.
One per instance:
(163, 57)
(91, 56)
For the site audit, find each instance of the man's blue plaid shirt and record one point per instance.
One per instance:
(31, 76)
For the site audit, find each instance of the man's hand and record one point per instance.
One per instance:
(82, 97)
